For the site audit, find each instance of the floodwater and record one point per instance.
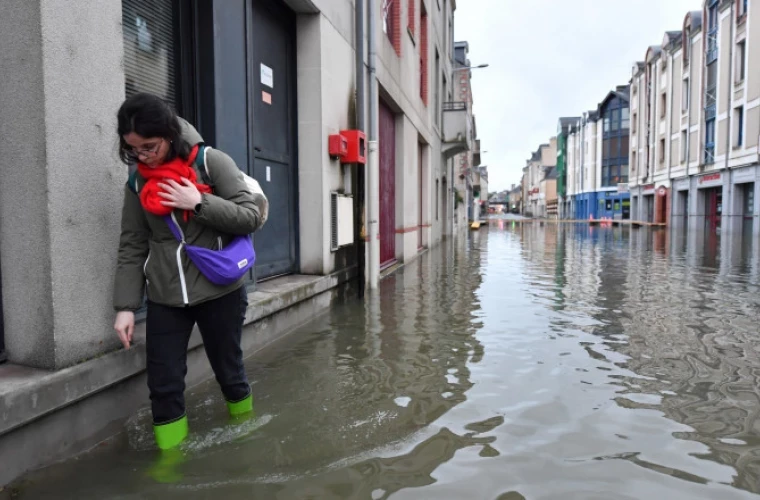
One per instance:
(534, 361)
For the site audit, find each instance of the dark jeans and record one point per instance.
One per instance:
(168, 332)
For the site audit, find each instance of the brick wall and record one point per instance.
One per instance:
(393, 13)
(424, 56)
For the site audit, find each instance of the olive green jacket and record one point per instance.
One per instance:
(150, 256)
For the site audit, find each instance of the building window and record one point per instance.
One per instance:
(437, 89)
(739, 127)
(412, 21)
(709, 141)
(615, 120)
(741, 9)
(686, 47)
(662, 151)
(749, 199)
(635, 123)
(149, 49)
(663, 104)
(712, 31)
(684, 150)
(615, 142)
(392, 23)
(451, 39)
(741, 61)
(423, 54)
(685, 95)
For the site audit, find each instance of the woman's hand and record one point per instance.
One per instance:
(184, 196)
(125, 327)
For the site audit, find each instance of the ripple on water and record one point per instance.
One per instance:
(534, 361)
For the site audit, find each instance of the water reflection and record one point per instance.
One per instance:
(685, 326)
(346, 403)
(533, 361)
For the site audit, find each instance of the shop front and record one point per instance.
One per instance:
(710, 188)
(614, 205)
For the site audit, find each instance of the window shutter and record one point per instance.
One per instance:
(149, 56)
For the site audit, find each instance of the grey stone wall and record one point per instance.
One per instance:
(61, 190)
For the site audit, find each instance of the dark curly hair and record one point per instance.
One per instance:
(148, 116)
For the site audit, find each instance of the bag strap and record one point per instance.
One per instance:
(132, 182)
(202, 165)
(174, 228)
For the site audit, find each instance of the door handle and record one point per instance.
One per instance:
(257, 149)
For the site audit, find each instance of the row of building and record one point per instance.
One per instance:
(539, 195)
(677, 144)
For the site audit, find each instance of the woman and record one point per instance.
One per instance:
(168, 182)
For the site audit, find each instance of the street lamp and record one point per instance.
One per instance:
(479, 66)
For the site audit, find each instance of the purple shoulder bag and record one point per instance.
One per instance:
(221, 267)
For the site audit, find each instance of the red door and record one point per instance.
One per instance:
(387, 186)
(714, 207)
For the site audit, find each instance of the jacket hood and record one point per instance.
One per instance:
(189, 133)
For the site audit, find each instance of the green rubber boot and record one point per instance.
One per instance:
(167, 467)
(242, 407)
(171, 434)
(168, 437)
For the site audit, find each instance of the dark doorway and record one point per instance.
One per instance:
(748, 210)
(272, 93)
(387, 122)
(649, 204)
(683, 204)
(713, 207)
(445, 206)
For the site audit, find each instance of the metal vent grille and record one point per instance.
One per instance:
(333, 221)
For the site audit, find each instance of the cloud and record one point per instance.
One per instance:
(551, 58)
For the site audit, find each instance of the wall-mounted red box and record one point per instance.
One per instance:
(337, 146)
(357, 147)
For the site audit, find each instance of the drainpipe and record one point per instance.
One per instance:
(373, 176)
(688, 131)
(729, 202)
(670, 115)
(688, 113)
(669, 138)
(359, 203)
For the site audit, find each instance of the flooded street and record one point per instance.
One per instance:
(535, 361)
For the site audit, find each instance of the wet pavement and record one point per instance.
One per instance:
(535, 361)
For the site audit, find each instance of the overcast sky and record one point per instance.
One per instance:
(551, 58)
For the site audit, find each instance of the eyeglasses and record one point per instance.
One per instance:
(136, 154)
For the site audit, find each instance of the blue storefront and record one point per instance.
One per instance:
(610, 204)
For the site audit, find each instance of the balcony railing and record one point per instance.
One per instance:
(712, 47)
(457, 128)
(709, 154)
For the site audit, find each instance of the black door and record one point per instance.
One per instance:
(272, 87)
